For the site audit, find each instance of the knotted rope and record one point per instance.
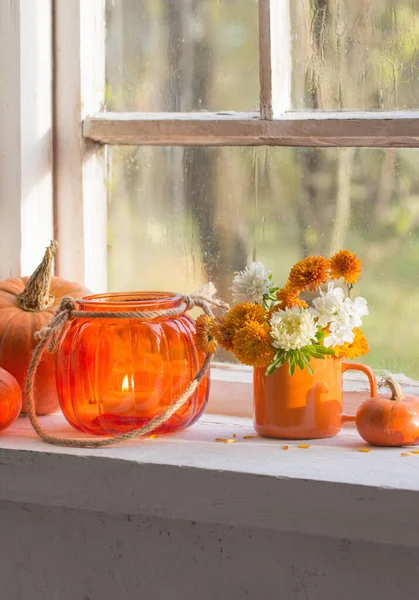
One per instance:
(50, 335)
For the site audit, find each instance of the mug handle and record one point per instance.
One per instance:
(346, 366)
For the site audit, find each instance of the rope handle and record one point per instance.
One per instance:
(50, 335)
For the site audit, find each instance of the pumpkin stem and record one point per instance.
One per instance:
(36, 297)
(396, 391)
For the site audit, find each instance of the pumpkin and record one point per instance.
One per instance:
(27, 305)
(391, 419)
(10, 399)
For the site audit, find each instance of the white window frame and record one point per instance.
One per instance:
(26, 199)
(79, 164)
(53, 132)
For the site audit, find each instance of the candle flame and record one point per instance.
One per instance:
(127, 383)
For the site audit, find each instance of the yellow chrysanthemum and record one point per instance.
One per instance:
(309, 273)
(243, 312)
(225, 329)
(359, 347)
(288, 298)
(240, 314)
(204, 335)
(345, 264)
(252, 344)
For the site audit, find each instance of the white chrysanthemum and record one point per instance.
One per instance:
(327, 304)
(293, 328)
(251, 284)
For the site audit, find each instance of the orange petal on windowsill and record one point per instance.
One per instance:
(363, 449)
(284, 447)
(152, 436)
(226, 440)
(304, 446)
(406, 454)
(415, 451)
(250, 437)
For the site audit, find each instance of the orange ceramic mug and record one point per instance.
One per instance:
(304, 405)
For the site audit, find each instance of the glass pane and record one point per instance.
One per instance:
(182, 55)
(179, 217)
(355, 54)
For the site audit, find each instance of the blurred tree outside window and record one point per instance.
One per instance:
(178, 217)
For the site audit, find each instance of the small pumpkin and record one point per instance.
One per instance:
(10, 399)
(389, 419)
(26, 305)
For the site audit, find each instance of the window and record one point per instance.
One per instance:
(192, 137)
(202, 211)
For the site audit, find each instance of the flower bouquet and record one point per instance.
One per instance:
(309, 317)
(296, 338)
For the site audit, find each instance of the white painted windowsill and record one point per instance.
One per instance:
(329, 489)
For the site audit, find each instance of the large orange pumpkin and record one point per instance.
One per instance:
(391, 419)
(27, 305)
(10, 399)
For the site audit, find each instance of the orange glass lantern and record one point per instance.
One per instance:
(10, 399)
(116, 374)
(304, 405)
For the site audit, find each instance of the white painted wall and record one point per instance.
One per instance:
(65, 554)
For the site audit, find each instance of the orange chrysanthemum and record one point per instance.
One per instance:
(288, 298)
(253, 344)
(204, 335)
(309, 273)
(225, 329)
(345, 264)
(223, 334)
(243, 312)
(359, 347)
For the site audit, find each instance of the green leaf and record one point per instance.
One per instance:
(301, 362)
(317, 351)
(323, 349)
(266, 302)
(292, 368)
(315, 354)
(280, 354)
(310, 370)
(321, 334)
(275, 364)
(271, 369)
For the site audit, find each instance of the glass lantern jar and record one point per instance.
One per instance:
(116, 374)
